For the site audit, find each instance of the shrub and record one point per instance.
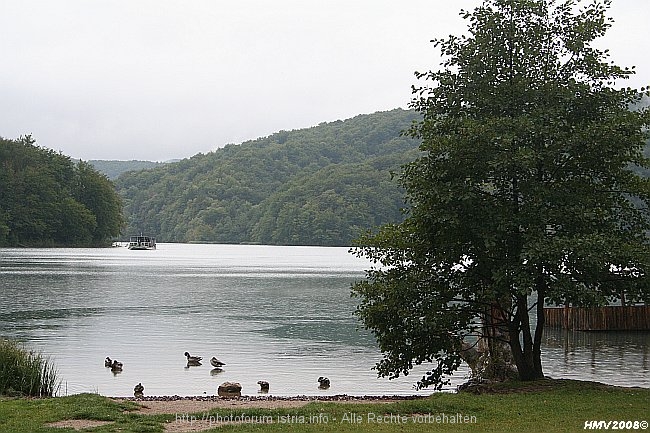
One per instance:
(25, 373)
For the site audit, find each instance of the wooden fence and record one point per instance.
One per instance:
(612, 318)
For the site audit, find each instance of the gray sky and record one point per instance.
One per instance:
(159, 79)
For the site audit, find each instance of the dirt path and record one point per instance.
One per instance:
(191, 414)
(187, 405)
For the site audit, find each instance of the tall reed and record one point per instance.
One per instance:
(25, 373)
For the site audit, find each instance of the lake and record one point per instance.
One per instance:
(280, 314)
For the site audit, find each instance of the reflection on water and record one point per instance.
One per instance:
(617, 358)
(280, 314)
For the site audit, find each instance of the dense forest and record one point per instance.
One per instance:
(113, 169)
(46, 199)
(317, 186)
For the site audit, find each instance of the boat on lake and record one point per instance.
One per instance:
(142, 243)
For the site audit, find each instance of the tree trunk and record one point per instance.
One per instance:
(527, 356)
(539, 332)
(496, 360)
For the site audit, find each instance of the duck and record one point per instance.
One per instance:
(108, 362)
(193, 360)
(138, 390)
(215, 362)
(324, 382)
(264, 385)
(116, 367)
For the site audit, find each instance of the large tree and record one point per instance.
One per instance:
(523, 193)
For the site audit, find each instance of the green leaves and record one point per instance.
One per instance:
(317, 186)
(45, 199)
(525, 192)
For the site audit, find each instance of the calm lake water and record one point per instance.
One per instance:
(281, 314)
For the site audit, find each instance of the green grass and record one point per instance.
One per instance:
(543, 406)
(26, 373)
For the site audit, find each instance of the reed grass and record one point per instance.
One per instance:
(26, 373)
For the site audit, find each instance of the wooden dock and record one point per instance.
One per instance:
(612, 318)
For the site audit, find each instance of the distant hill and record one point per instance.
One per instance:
(317, 186)
(113, 169)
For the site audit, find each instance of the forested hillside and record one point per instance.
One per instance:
(113, 169)
(48, 200)
(317, 186)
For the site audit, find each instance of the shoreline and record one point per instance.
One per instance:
(488, 409)
(175, 404)
(336, 397)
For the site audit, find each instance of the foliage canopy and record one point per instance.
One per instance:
(114, 168)
(316, 186)
(524, 194)
(48, 200)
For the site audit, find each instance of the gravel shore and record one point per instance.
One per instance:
(175, 404)
(183, 407)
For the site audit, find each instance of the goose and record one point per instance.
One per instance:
(193, 360)
(216, 363)
(324, 382)
(108, 362)
(264, 385)
(116, 366)
(138, 390)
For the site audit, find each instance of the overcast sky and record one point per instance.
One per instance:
(158, 79)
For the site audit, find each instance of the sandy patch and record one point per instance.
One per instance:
(187, 406)
(193, 414)
(175, 427)
(182, 426)
(176, 404)
(78, 424)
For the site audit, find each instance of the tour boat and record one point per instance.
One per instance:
(142, 243)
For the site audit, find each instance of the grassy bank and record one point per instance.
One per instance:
(546, 406)
(25, 373)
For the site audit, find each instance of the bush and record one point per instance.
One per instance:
(25, 373)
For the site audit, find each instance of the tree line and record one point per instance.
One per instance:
(114, 168)
(324, 185)
(46, 199)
